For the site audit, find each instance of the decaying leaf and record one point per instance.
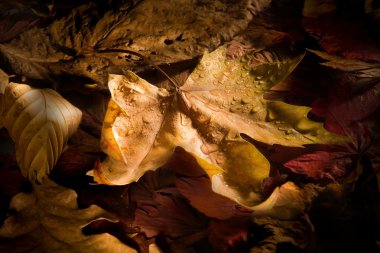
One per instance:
(48, 220)
(40, 122)
(221, 99)
(165, 33)
(295, 232)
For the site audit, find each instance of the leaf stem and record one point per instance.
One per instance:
(175, 84)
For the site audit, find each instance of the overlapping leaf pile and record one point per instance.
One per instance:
(206, 126)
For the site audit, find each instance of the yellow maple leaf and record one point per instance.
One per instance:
(221, 99)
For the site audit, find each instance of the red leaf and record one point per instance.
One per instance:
(231, 235)
(321, 164)
(170, 216)
(342, 110)
(347, 37)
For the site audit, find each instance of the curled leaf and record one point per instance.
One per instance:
(40, 122)
(287, 201)
(361, 68)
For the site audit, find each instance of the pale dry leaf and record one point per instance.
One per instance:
(220, 100)
(40, 122)
(49, 220)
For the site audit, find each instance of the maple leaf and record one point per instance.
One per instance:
(40, 122)
(220, 100)
(48, 220)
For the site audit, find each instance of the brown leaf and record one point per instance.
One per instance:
(164, 33)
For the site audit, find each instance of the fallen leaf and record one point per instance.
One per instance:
(48, 220)
(345, 111)
(40, 122)
(221, 99)
(287, 202)
(198, 191)
(170, 216)
(84, 42)
(322, 164)
(296, 232)
(360, 68)
(232, 235)
(343, 35)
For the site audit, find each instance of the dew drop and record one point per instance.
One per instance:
(254, 110)
(244, 59)
(162, 92)
(272, 78)
(203, 118)
(234, 109)
(129, 132)
(271, 115)
(219, 159)
(184, 120)
(209, 148)
(146, 119)
(215, 92)
(245, 101)
(232, 136)
(289, 131)
(200, 67)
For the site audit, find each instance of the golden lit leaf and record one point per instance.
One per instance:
(221, 99)
(40, 122)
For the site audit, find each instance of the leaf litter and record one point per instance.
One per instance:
(308, 184)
